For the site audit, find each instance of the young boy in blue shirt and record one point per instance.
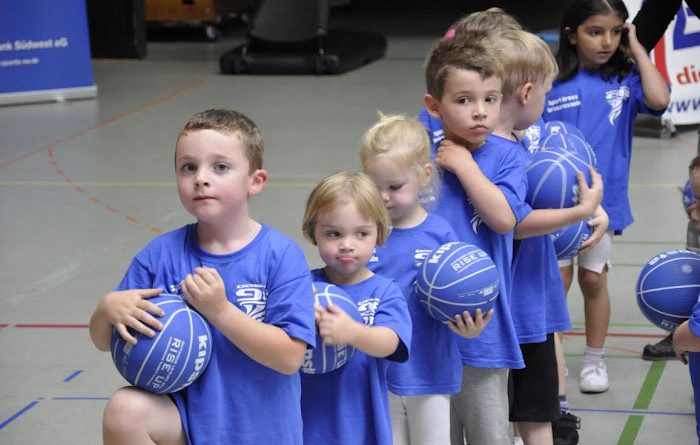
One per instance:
(249, 281)
(482, 191)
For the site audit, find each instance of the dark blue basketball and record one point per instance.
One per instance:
(572, 142)
(551, 175)
(324, 357)
(457, 277)
(668, 286)
(567, 241)
(171, 360)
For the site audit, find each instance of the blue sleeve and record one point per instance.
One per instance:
(694, 322)
(393, 314)
(638, 91)
(512, 181)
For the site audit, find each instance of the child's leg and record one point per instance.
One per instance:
(399, 419)
(482, 407)
(138, 417)
(535, 403)
(428, 419)
(593, 280)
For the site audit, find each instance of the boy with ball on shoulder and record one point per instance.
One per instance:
(248, 280)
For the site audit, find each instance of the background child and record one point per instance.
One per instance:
(395, 154)
(249, 281)
(481, 195)
(538, 303)
(600, 90)
(345, 217)
(686, 337)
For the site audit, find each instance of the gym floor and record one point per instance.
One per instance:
(85, 184)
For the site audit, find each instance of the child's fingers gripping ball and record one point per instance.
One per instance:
(173, 358)
(667, 287)
(324, 357)
(457, 277)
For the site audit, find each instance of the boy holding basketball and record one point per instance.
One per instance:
(538, 301)
(481, 195)
(249, 281)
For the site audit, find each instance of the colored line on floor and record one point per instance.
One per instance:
(13, 417)
(635, 412)
(646, 394)
(72, 376)
(618, 334)
(50, 326)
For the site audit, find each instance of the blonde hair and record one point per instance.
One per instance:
(525, 58)
(346, 188)
(492, 21)
(402, 137)
(233, 123)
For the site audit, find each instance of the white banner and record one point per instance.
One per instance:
(677, 56)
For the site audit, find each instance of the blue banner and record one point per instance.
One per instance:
(44, 51)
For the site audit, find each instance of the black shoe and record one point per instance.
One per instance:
(565, 430)
(663, 350)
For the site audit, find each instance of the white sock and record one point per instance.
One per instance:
(592, 356)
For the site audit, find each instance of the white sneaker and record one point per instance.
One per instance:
(594, 379)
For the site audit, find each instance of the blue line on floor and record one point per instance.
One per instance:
(18, 413)
(629, 411)
(72, 376)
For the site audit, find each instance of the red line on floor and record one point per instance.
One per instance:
(50, 326)
(619, 334)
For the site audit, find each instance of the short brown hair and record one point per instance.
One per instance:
(472, 53)
(695, 163)
(526, 58)
(232, 123)
(344, 188)
(492, 20)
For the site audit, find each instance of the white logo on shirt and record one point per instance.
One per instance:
(367, 309)
(252, 298)
(615, 99)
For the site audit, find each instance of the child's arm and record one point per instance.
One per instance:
(469, 327)
(488, 200)
(122, 309)
(267, 344)
(544, 221)
(599, 222)
(656, 93)
(337, 327)
(684, 340)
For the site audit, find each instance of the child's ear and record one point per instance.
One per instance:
(258, 179)
(571, 36)
(427, 174)
(524, 92)
(432, 105)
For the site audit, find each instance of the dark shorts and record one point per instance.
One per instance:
(534, 390)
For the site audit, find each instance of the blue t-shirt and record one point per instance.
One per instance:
(503, 162)
(694, 366)
(604, 111)
(236, 399)
(434, 366)
(538, 301)
(351, 405)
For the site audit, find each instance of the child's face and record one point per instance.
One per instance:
(534, 106)
(346, 241)
(469, 107)
(597, 39)
(213, 178)
(694, 210)
(400, 187)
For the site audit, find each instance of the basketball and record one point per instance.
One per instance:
(667, 287)
(551, 175)
(457, 277)
(174, 357)
(325, 358)
(571, 141)
(567, 241)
